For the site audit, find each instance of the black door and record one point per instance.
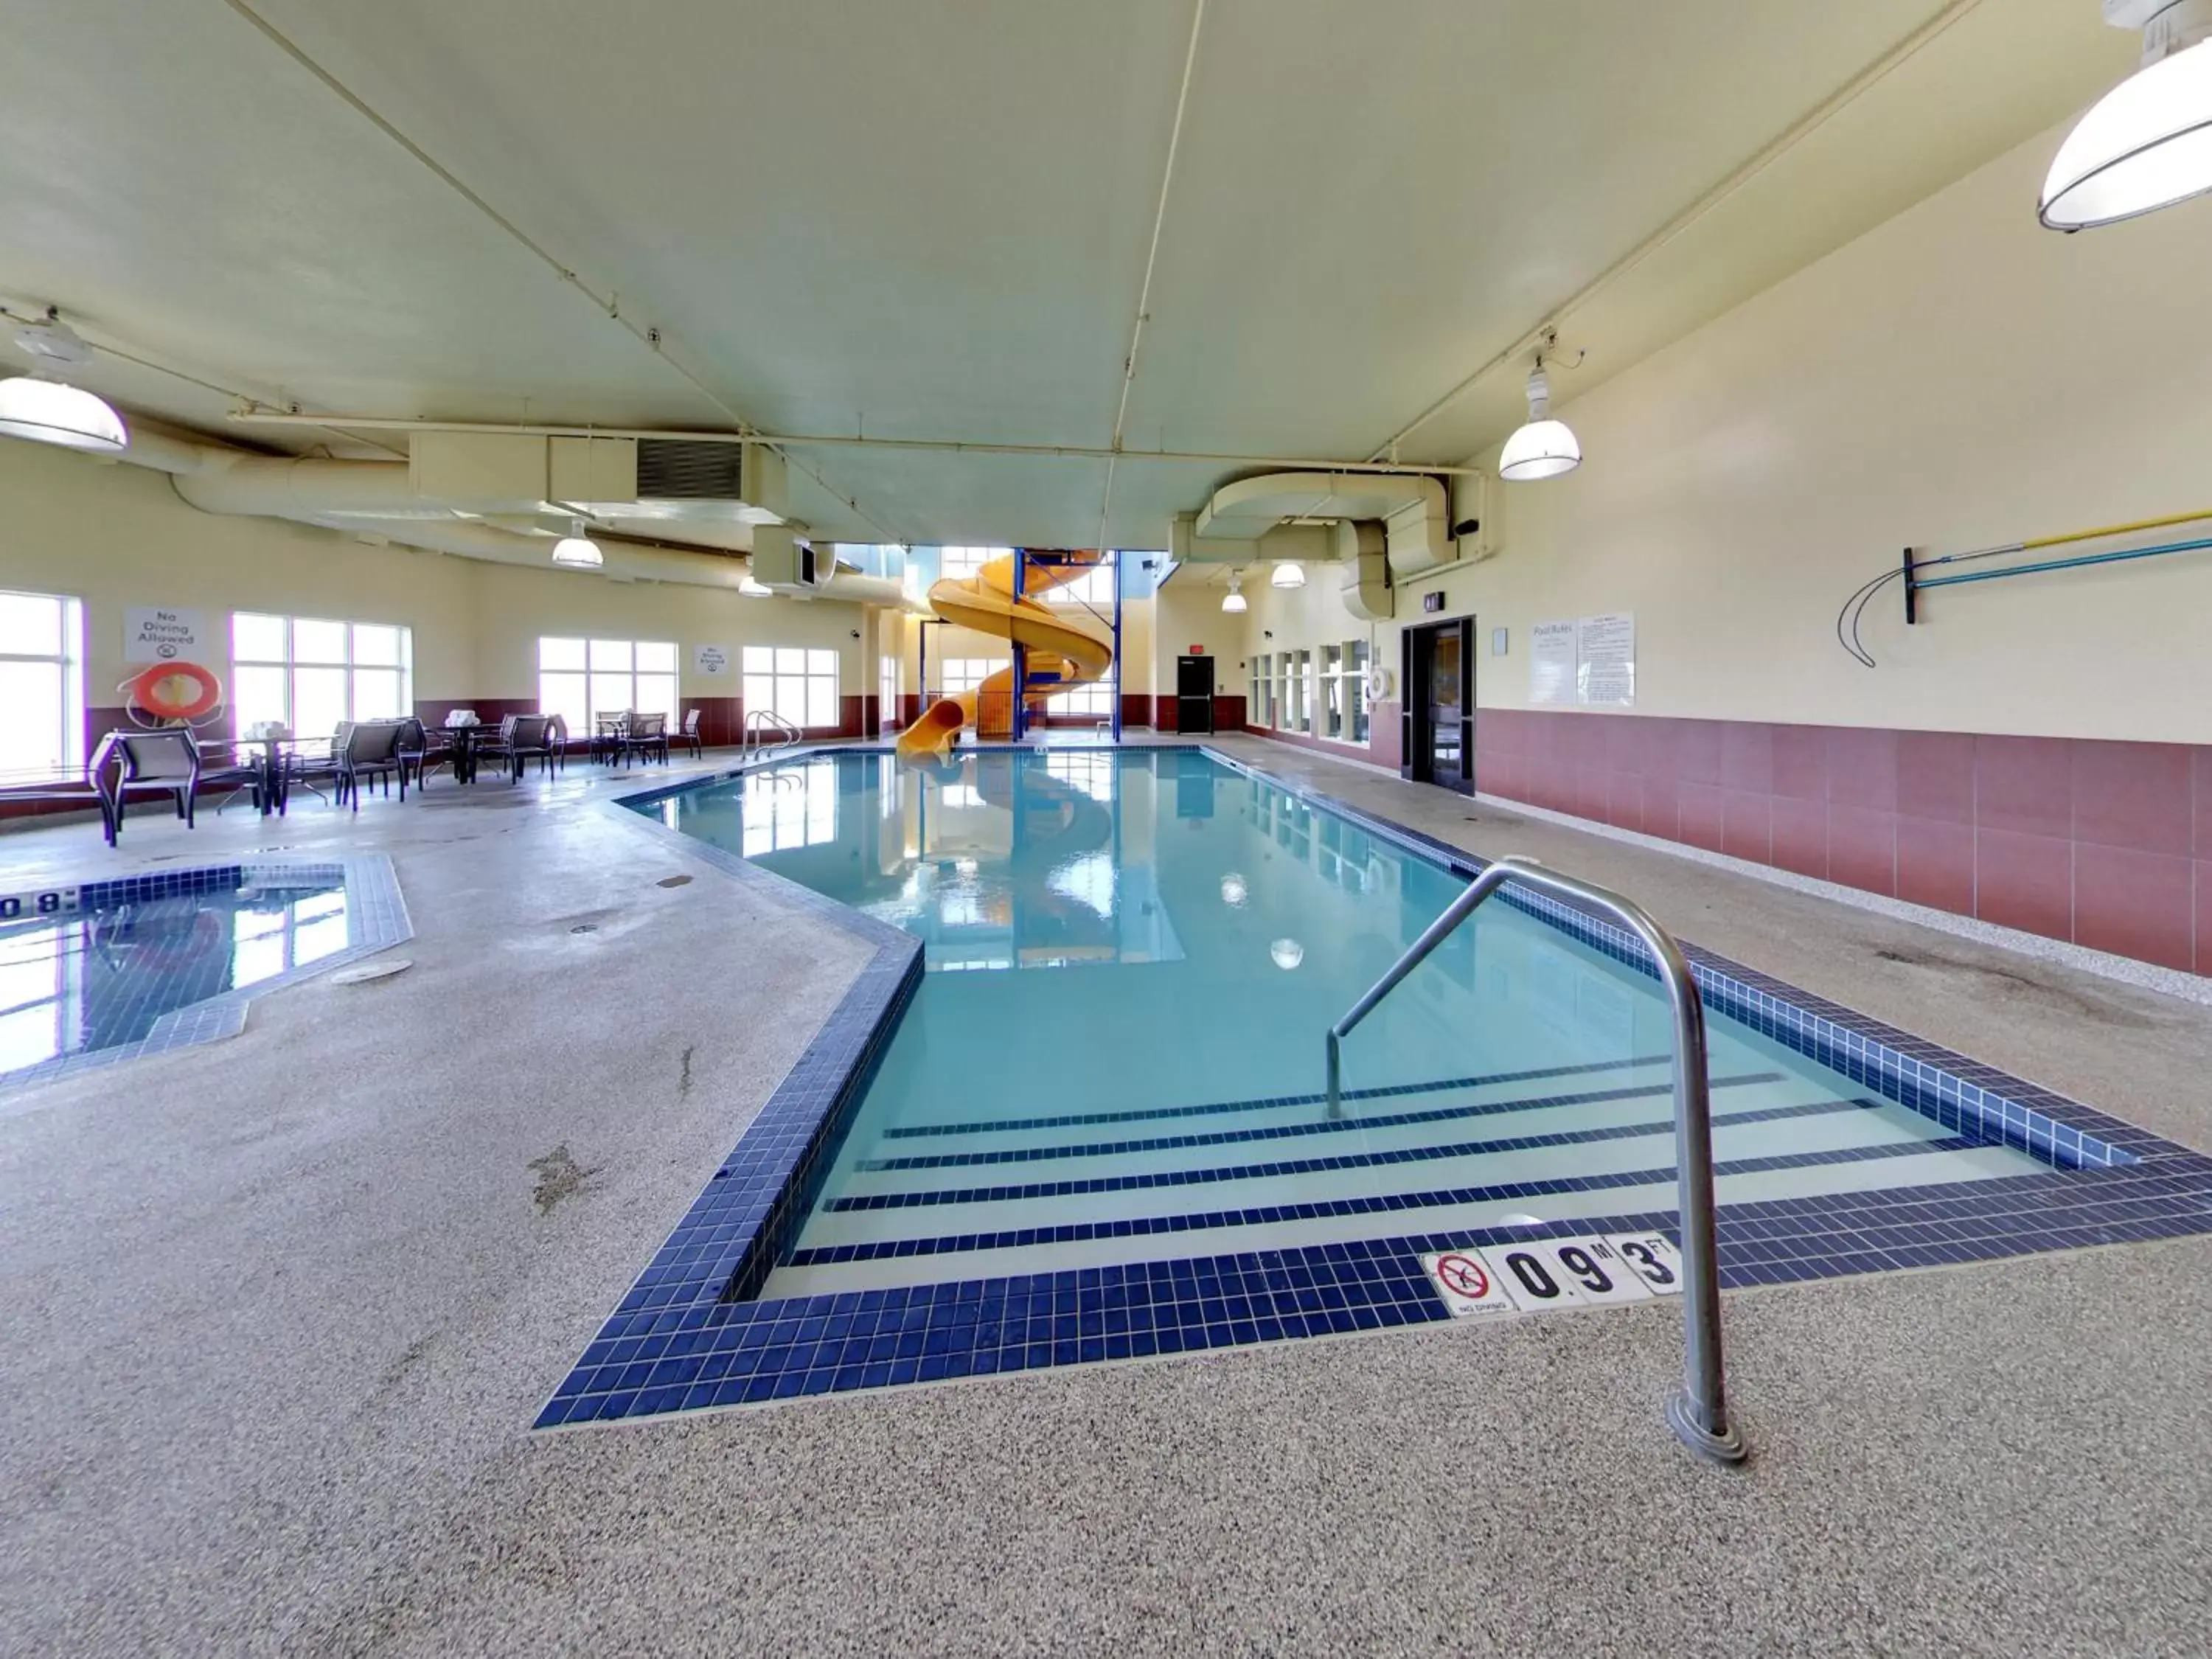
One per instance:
(1194, 694)
(1437, 671)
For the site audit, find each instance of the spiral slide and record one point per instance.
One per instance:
(1062, 648)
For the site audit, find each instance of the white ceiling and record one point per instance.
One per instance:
(929, 218)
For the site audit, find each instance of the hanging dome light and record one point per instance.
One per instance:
(1234, 600)
(2147, 142)
(577, 550)
(1541, 448)
(1287, 953)
(1289, 572)
(48, 412)
(1232, 889)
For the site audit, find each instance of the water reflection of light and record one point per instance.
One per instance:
(1232, 889)
(1287, 952)
(1087, 880)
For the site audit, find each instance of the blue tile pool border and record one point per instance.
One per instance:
(376, 919)
(685, 1337)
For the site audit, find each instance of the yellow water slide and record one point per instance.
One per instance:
(1064, 647)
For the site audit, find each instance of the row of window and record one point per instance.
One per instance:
(310, 673)
(1094, 587)
(1323, 692)
(1095, 700)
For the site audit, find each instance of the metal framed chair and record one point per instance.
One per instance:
(689, 737)
(166, 762)
(313, 763)
(419, 751)
(370, 753)
(522, 737)
(647, 736)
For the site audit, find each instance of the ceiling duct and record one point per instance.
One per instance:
(1410, 508)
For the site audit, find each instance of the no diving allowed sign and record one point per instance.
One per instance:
(1555, 1273)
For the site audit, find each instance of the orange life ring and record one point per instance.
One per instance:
(156, 690)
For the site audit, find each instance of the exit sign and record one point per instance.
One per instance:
(1195, 651)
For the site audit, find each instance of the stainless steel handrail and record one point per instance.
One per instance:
(1697, 1411)
(759, 721)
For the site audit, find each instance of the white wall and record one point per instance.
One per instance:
(1957, 378)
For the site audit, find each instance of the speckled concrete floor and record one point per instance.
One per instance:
(275, 1313)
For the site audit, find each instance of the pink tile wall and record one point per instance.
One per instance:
(2107, 844)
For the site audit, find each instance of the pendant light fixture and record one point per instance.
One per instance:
(1288, 573)
(48, 412)
(577, 550)
(1234, 601)
(2147, 142)
(1541, 447)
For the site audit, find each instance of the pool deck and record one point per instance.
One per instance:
(277, 1312)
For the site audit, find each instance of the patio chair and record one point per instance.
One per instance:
(647, 736)
(556, 739)
(369, 753)
(169, 764)
(521, 739)
(312, 767)
(419, 751)
(689, 737)
(81, 791)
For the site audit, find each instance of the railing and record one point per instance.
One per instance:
(1698, 1410)
(767, 731)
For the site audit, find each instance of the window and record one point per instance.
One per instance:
(1263, 691)
(1295, 716)
(1331, 711)
(969, 673)
(887, 693)
(795, 685)
(1094, 588)
(308, 674)
(578, 679)
(958, 563)
(1091, 701)
(1355, 688)
(41, 685)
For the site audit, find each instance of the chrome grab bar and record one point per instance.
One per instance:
(1697, 1411)
(757, 724)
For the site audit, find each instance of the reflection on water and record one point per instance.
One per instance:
(996, 860)
(101, 978)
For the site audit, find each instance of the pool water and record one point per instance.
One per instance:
(1116, 1053)
(106, 975)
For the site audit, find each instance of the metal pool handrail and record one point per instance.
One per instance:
(1697, 1411)
(756, 724)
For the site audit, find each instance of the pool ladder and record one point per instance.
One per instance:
(1697, 1411)
(768, 733)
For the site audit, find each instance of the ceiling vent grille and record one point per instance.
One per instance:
(684, 469)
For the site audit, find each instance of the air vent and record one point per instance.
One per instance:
(682, 469)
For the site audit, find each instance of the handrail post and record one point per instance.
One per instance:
(1697, 1411)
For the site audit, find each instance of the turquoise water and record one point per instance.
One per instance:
(1133, 955)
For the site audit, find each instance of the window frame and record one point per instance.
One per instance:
(806, 686)
(291, 665)
(557, 680)
(67, 661)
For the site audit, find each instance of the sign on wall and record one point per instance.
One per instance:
(1605, 660)
(711, 658)
(1552, 663)
(156, 633)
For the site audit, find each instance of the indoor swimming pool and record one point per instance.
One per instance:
(1116, 1052)
(1073, 1108)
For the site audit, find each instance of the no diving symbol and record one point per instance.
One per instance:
(1463, 1276)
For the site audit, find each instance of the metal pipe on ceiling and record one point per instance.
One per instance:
(257, 416)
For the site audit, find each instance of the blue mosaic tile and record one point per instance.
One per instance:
(376, 919)
(687, 1336)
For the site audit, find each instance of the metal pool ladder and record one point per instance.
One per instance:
(767, 734)
(1697, 1411)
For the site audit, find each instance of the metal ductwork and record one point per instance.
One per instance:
(1410, 508)
(499, 521)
